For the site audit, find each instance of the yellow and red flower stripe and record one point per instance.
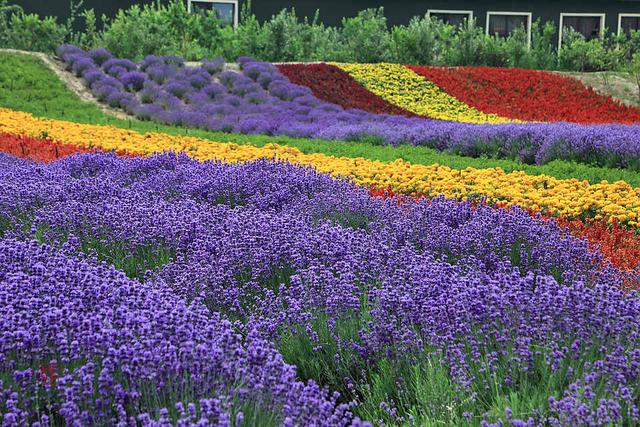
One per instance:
(570, 198)
(404, 88)
(463, 94)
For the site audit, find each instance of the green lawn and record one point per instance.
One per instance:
(27, 85)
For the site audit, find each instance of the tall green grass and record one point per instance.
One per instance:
(26, 84)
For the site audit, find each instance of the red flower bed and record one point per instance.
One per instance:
(529, 95)
(331, 84)
(619, 245)
(42, 150)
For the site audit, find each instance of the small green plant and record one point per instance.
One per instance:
(633, 68)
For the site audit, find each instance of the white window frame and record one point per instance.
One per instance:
(469, 13)
(529, 16)
(236, 12)
(625, 15)
(602, 17)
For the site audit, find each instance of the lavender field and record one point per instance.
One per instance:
(188, 293)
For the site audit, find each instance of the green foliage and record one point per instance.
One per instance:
(598, 54)
(423, 41)
(27, 85)
(29, 31)
(279, 34)
(365, 37)
(467, 45)
(517, 51)
(633, 68)
(543, 38)
(166, 27)
(137, 32)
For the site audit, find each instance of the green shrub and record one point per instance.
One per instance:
(599, 54)
(282, 37)
(517, 51)
(137, 32)
(423, 41)
(30, 32)
(543, 38)
(466, 45)
(365, 37)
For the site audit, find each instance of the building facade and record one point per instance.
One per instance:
(589, 17)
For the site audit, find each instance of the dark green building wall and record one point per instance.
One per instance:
(397, 11)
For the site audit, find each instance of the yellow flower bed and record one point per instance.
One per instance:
(404, 88)
(569, 197)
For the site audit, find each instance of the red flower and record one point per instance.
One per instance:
(42, 150)
(331, 84)
(48, 375)
(529, 95)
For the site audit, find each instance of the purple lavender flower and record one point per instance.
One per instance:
(100, 55)
(83, 65)
(213, 66)
(133, 80)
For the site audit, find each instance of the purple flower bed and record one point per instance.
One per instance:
(512, 316)
(260, 100)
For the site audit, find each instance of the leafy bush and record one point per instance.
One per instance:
(423, 41)
(542, 54)
(467, 44)
(599, 54)
(365, 37)
(30, 32)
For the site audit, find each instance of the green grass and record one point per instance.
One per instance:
(27, 85)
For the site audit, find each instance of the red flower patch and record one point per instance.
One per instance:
(529, 95)
(41, 150)
(331, 84)
(47, 375)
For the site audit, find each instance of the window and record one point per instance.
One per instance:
(503, 23)
(227, 10)
(628, 22)
(451, 17)
(590, 25)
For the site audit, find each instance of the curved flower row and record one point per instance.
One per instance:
(555, 197)
(619, 245)
(531, 95)
(138, 346)
(404, 88)
(332, 84)
(260, 100)
(85, 345)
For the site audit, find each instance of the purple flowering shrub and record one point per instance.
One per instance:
(263, 101)
(84, 345)
(434, 310)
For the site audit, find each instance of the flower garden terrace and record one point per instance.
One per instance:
(261, 100)
(250, 283)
